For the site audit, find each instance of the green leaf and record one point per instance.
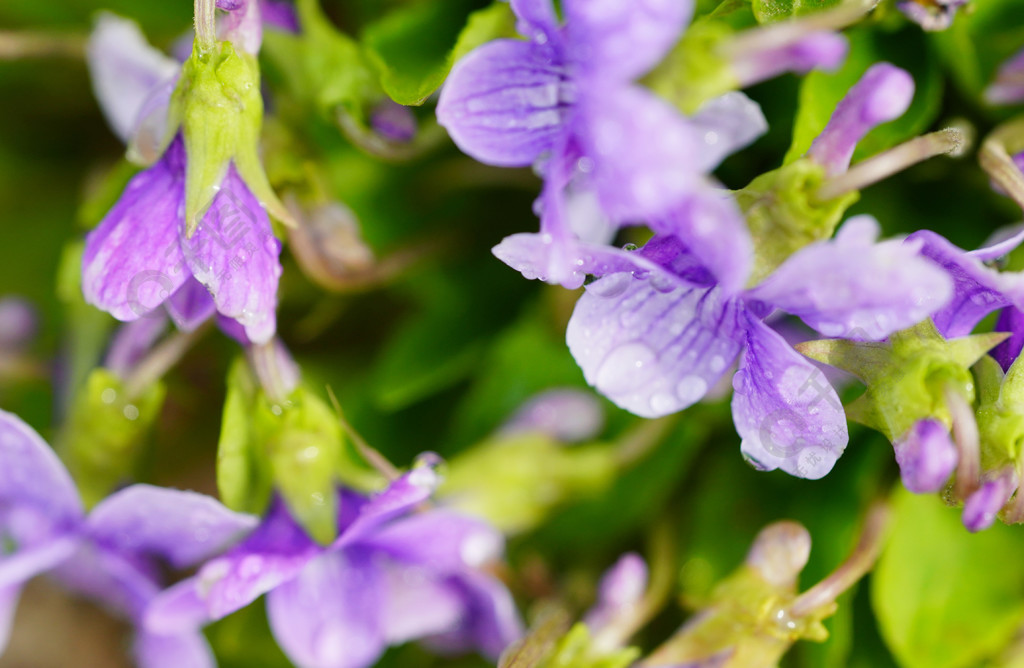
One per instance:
(415, 47)
(242, 483)
(822, 91)
(945, 598)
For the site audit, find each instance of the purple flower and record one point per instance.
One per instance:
(139, 256)
(114, 553)
(926, 455)
(657, 331)
(984, 504)
(621, 590)
(567, 415)
(1008, 88)
(564, 100)
(394, 574)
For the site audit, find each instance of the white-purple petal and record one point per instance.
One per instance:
(441, 541)
(32, 476)
(122, 583)
(726, 124)
(416, 603)
(650, 345)
(132, 341)
(1008, 88)
(785, 411)
(926, 455)
(182, 527)
(506, 103)
(567, 415)
(235, 255)
(125, 70)
(328, 616)
(855, 287)
(644, 155)
(8, 606)
(884, 93)
(39, 557)
(133, 261)
(490, 622)
(821, 50)
(619, 41)
(189, 649)
(401, 496)
(622, 587)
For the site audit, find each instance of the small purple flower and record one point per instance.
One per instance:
(622, 588)
(139, 256)
(926, 456)
(657, 331)
(1008, 88)
(564, 100)
(567, 415)
(982, 506)
(113, 554)
(393, 575)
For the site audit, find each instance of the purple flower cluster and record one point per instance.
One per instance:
(398, 571)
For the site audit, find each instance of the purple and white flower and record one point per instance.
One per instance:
(113, 554)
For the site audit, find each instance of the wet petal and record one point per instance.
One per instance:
(328, 617)
(490, 621)
(132, 261)
(977, 289)
(234, 254)
(726, 124)
(190, 306)
(531, 255)
(927, 456)
(125, 70)
(617, 40)
(645, 155)
(505, 103)
(650, 346)
(787, 414)
(1011, 319)
(32, 475)
(182, 527)
(857, 288)
(173, 651)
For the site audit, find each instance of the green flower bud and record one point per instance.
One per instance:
(104, 431)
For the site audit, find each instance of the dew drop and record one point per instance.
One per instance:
(690, 389)
(131, 412)
(108, 396)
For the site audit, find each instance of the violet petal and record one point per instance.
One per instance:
(927, 456)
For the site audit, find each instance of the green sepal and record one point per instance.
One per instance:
(220, 109)
(303, 442)
(575, 650)
(1000, 413)
(907, 377)
(104, 432)
(770, 11)
(244, 481)
(784, 213)
(515, 481)
(694, 71)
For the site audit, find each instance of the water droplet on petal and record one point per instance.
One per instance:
(626, 368)
(690, 389)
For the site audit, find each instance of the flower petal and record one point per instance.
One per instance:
(1011, 320)
(505, 103)
(621, 589)
(927, 456)
(125, 70)
(132, 341)
(182, 527)
(30, 561)
(856, 288)
(982, 506)
(537, 19)
(122, 583)
(726, 124)
(328, 617)
(977, 289)
(32, 475)
(273, 554)
(234, 254)
(398, 498)
(644, 153)
(190, 306)
(173, 651)
(652, 347)
(617, 40)
(440, 541)
(787, 414)
(490, 622)
(132, 261)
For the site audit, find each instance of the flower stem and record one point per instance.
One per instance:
(206, 24)
(876, 168)
(965, 435)
(995, 159)
(160, 360)
(371, 455)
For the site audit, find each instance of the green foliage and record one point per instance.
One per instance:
(946, 598)
(769, 11)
